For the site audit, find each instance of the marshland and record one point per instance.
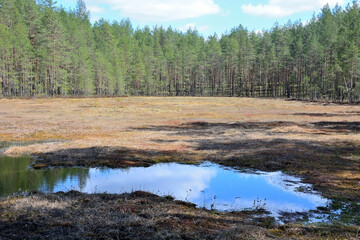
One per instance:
(203, 146)
(175, 130)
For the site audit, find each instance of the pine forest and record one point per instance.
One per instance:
(50, 51)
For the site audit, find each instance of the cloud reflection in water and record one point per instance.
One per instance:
(200, 184)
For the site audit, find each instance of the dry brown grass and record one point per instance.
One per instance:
(320, 142)
(140, 215)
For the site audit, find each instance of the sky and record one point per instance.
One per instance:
(207, 16)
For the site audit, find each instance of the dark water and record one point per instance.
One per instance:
(16, 176)
(207, 185)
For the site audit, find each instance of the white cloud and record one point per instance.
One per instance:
(282, 8)
(304, 23)
(95, 9)
(193, 27)
(94, 18)
(161, 10)
(162, 179)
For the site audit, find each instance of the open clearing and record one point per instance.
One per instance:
(318, 141)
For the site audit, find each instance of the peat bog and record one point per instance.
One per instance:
(315, 142)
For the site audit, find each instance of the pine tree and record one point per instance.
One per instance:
(80, 39)
(53, 52)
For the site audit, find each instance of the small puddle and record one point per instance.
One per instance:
(207, 185)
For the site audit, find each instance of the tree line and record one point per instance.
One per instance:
(50, 51)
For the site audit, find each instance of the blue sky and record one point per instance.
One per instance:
(207, 16)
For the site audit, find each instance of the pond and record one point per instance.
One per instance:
(207, 185)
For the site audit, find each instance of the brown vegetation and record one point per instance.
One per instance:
(320, 142)
(141, 215)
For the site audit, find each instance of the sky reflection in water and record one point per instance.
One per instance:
(203, 185)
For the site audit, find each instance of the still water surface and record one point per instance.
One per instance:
(208, 185)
